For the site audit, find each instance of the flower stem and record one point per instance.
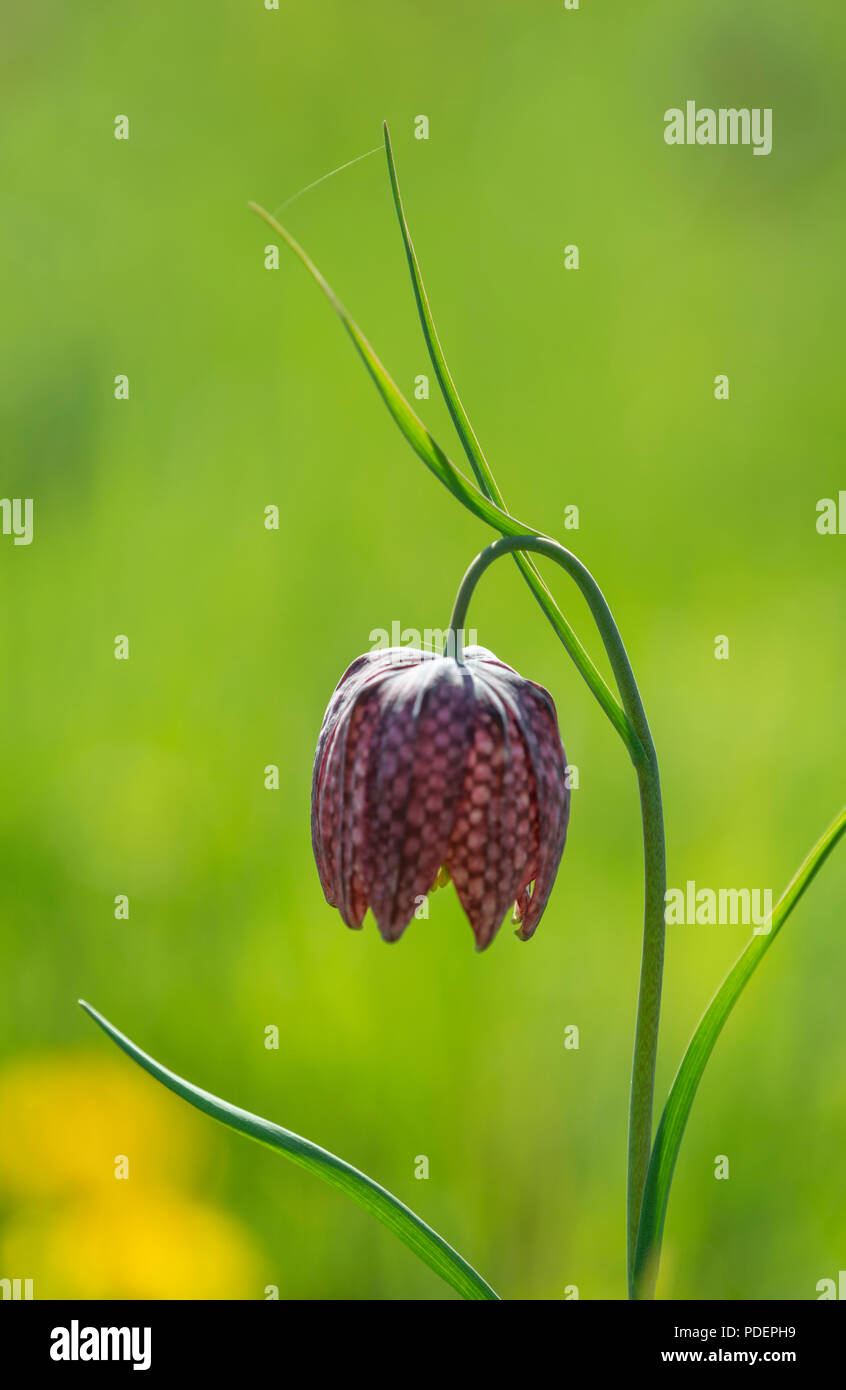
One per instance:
(641, 1095)
(484, 501)
(652, 816)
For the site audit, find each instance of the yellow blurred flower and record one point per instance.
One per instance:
(79, 1231)
(132, 1243)
(68, 1117)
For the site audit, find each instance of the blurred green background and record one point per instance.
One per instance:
(592, 388)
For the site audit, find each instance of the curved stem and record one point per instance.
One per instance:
(480, 503)
(652, 816)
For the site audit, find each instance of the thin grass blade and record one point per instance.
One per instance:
(674, 1119)
(460, 418)
(428, 449)
(482, 470)
(418, 436)
(426, 1243)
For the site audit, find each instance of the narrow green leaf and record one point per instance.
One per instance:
(674, 1119)
(460, 418)
(423, 443)
(428, 449)
(485, 477)
(419, 1237)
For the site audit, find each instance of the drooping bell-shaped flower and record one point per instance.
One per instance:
(425, 762)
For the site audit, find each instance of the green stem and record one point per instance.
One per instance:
(641, 1095)
(485, 478)
(674, 1119)
(479, 503)
(652, 816)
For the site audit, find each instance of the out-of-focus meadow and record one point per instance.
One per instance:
(592, 387)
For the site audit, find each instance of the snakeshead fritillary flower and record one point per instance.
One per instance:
(426, 763)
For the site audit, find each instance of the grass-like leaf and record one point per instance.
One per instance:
(422, 442)
(476, 501)
(460, 418)
(674, 1119)
(431, 1248)
(484, 475)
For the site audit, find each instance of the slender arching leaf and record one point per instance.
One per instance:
(423, 443)
(460, 418)
(481, 468)
(674, 1119)
(432, 1249)
(428, 449)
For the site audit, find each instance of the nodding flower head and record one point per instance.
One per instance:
(426, 763)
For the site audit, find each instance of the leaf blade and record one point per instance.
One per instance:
(484, 475)
(434, 457)
(394, 1214)
(449, 391)
(418, 436)
(674, 1118)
